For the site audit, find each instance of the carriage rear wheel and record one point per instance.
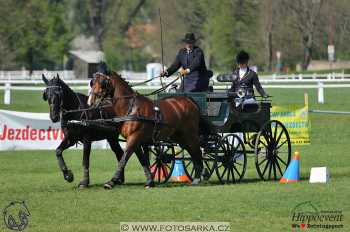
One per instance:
(272, 150)
(162, 160)
(232, 161)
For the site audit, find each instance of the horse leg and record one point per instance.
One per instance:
(191, 144)
(144, 161)
(67, 174)
(118, 151)
(131, 144)
(86, 164)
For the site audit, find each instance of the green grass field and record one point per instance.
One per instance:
(252, 205)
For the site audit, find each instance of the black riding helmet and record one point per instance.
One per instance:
(242, 57)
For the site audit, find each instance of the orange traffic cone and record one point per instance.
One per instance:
(293, 170)
(159, 172)
(178, 174)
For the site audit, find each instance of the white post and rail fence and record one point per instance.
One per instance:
(18, 80)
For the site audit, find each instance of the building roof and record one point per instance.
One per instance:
(88, 56)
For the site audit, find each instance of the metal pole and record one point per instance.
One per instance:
(161, 44)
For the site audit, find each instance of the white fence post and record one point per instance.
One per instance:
(7, 94)
(320, 93)
(24, 73)
(65, 74)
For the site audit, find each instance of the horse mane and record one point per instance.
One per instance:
(115, 75)
(68, 91)
(62, 84)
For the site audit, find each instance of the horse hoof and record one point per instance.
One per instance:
(196, 181)
(150, 185)
(68, 176)
(108, 186)
(83, 184)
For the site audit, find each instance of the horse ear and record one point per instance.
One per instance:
(44, 79)
(58, 77)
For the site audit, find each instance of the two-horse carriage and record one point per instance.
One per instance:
(234, 133)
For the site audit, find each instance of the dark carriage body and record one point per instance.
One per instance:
(216, 107)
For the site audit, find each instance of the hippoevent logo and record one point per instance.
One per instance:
(307, 216)
(16, 215)
(29, 133)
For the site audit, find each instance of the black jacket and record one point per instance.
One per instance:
(197, 80)
(246, 83)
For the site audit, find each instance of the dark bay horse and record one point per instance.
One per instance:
(61, 100)
(180, 116)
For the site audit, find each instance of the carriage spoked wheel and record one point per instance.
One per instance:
(208, 164)
(232, 161)
(162, 160)
(272, 150)
(249, 137)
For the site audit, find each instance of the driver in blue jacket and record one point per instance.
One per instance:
(191, 65)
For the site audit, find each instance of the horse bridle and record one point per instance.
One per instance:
(62, 110)
(104, 85)
(59, 95)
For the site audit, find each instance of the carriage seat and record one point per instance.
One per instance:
(218, 108)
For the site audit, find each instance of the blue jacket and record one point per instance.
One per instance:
(197, 80)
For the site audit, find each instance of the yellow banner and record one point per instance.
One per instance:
(296, 120)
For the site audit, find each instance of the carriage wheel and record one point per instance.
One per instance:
(272, 150)
(232, 162)
(162, 160)
(208, 163)
(250, 129)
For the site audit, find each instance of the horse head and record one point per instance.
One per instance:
(102, 86)
(53, 94)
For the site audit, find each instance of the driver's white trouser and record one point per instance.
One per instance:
(244, 100)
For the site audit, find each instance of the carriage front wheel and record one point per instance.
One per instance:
(162, 160)
(232, 162)
(272, 150)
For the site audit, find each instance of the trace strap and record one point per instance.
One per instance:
(116, 120)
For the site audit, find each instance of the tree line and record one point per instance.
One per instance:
(37, 34)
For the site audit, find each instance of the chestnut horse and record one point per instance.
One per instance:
(180, 118)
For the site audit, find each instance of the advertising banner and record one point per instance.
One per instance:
(28, 131)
